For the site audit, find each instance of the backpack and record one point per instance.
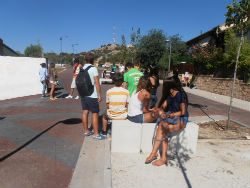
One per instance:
(83, 82)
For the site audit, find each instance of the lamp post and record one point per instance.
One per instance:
(61, 46)
(73, 45)
(169, 56)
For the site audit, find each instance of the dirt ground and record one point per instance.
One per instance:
(218, 130)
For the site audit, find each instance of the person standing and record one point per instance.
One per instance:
(131, 78)
(154, 79)
(186, 78)
(91, 103)
(52, 80)
(43, 73)
(76, 70)
(121, 68)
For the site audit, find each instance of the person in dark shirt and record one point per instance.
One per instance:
(152, 74)
(173, 117)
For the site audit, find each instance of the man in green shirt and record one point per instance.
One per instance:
(131, 78)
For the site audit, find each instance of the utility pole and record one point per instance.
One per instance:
(114, 33)
(61, 47)
(73, 45)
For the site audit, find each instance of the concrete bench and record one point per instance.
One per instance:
(129, 137)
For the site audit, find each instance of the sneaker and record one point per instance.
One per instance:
(99, 137)
(77, 97)
(43, 96)
(89, 133)
(69, 97)
(104, 133)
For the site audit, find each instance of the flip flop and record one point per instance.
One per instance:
(152, 159)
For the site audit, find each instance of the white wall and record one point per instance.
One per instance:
(19, 76)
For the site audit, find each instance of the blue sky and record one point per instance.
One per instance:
(90, 23)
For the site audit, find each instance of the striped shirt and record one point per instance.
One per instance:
(117, 97)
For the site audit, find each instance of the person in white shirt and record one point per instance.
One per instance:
(121, 68)
(186, 78)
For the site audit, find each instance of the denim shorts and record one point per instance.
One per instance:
(90, 104)
(174, 120)
(137, 119)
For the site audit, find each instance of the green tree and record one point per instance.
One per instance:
(33, 51)
(53, 57)
(232, 44)
(179, 50)
(151, 47)
(238, 17)
(124, 51)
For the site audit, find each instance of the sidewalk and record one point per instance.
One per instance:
(244, 105)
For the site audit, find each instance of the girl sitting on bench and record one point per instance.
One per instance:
(173, 119)
(138, 108)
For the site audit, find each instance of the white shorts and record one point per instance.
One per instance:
(73, 84)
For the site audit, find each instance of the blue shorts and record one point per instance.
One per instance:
(90, 104)
(137, 119)
(174, 120)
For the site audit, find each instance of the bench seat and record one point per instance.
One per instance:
(129, 137)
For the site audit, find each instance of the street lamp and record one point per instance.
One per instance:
(61, 45)
(73, 45)
(169, 56)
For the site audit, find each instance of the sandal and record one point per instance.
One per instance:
(52, 99)
(151, 158)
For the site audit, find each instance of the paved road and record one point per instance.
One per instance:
(40, 139)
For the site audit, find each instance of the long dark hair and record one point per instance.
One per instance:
(171, 84)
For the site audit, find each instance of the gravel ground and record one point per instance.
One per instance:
(217, 163)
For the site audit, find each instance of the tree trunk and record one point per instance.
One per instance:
(235, 72)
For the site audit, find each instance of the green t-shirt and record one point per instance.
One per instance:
(132, 78)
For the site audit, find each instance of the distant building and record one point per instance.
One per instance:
(214, 36)
(6, 51)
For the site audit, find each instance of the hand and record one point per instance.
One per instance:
(99, 98)
(171, 115)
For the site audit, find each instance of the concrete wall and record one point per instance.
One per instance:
(19, 76)
(223, 86)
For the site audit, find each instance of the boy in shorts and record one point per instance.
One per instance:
(117, 102)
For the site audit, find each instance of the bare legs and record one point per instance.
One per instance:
(52, 90)
(85, 114)
(104, 124)
(72, 91)
(163, 129)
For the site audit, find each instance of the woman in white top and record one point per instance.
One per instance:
(138, 109)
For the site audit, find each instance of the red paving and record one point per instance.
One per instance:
(67, 132)
(29, 169)
(14, 110)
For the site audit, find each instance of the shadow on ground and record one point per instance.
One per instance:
(70, 121)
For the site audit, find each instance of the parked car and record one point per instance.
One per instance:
(106, 74)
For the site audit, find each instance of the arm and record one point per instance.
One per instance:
(152, 80)
(98, 88)
(179, 113)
